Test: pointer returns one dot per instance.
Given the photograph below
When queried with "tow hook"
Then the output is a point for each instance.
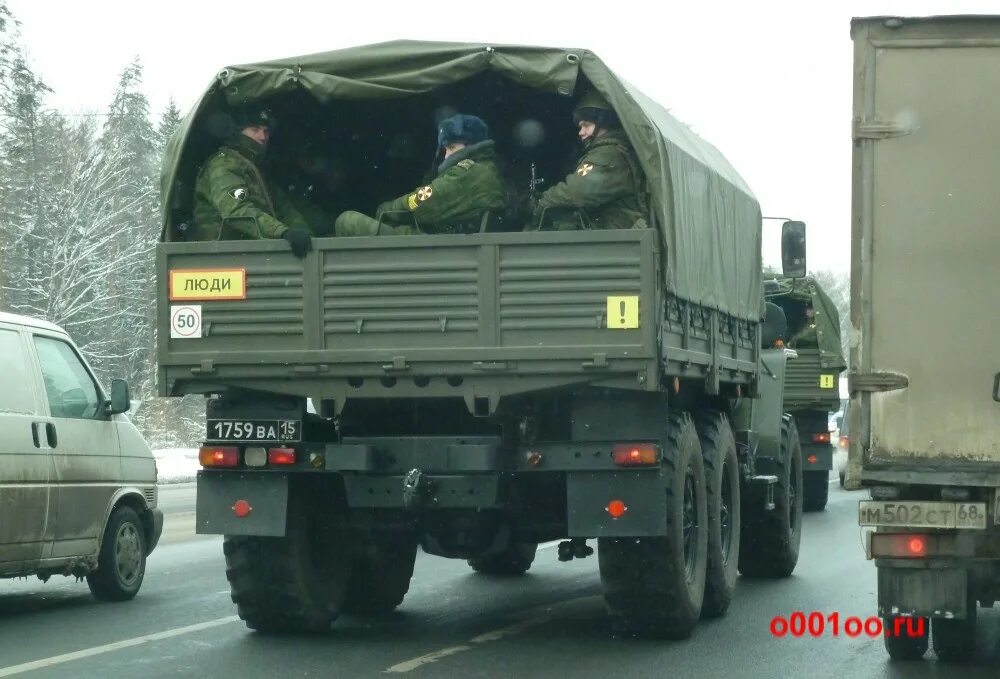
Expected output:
(576, 548)
(416, 488)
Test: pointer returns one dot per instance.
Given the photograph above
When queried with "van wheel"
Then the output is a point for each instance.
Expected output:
(722, 480)
(654, 586)
(295, 583)
(515, 560)
(121, 563)
(816, 487)
(769, 543)
(380, 578)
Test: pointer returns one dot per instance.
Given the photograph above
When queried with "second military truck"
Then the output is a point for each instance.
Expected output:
(479, 394)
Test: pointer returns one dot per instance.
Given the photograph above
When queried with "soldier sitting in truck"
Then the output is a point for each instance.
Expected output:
(605, 191)
(467, 185)
(232, 199)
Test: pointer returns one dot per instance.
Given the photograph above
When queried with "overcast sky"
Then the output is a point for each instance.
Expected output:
(768, 83)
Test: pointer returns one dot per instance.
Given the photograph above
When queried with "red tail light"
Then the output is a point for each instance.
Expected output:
(219, 456)
(845, 441)
(902, 546)
(821, 438)
(281, 455)
(636, 454)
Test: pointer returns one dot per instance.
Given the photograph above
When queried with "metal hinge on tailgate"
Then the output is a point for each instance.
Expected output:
(874, 382)
(878, 129)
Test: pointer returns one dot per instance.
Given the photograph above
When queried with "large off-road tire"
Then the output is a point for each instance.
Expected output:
(903, 646)
(722, 480)
(816, 490)
(954, 640)
(380, 576)
(121, 563)
(769, 543)
(515, 560)
(654, 586)
(295, 583)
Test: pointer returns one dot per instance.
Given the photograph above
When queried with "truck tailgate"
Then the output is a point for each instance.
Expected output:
(926, 243)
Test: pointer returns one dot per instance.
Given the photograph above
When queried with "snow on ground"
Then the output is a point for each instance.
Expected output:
(176, 465)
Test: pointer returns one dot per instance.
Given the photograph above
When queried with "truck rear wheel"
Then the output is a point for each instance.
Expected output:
(380, 577)
(899, 644)
(769, 543)
(816, 490)
(296, 583)
(654, 586)
(722, 481)
(955, 640)
(515, 560)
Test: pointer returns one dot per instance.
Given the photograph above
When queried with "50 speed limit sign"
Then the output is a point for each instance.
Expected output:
(185, 321)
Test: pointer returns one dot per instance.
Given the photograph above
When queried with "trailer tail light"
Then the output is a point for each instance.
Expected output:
(902, 546)
(219, 456)
(636, 454)
(616, 508)
(281, 455)
(823, 437)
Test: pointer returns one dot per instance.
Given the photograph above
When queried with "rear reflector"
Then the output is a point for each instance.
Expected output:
(616, 508)
(822, 437)
(902, 546)
(242, 509)
(636, 454)
(281, 455)
(216, 456)
(812, 459)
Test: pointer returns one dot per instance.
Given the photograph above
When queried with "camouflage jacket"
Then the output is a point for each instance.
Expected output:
(467, 184)
(606, 186)
(233, 201)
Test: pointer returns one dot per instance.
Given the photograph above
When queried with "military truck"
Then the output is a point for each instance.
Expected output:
(812, 379)
(925, 371)
(479, 394)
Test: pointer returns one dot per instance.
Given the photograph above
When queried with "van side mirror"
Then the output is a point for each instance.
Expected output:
(793, 249)
(121, 399)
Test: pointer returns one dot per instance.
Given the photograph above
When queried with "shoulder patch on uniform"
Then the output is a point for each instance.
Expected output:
(239, 193)
(424, 193)
(411, 201)
(585, 169)
(466, 164)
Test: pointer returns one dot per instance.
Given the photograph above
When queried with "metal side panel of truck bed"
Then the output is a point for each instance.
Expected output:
(925, 250)
(406, 317)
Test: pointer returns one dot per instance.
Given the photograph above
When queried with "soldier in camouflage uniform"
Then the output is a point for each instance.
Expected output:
(606, 189)
(233, 201)
(466, 185)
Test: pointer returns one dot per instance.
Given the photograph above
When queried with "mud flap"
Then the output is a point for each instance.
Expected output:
(817, 458)
(934, 593)
(223, 496)
(589, 494)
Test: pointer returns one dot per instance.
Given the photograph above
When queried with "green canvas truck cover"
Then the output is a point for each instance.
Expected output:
(709, 220)
(826, 318)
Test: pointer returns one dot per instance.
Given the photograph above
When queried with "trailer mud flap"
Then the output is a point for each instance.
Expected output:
(235, 503)
(817, 457)
(591, 513)
(930, 592)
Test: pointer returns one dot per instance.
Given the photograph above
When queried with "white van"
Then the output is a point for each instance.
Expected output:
(77, 480)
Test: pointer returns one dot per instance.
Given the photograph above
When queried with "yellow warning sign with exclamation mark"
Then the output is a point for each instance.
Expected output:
(623, 312)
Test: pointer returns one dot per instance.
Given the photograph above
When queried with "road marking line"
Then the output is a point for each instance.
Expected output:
(542, 614)
(410, 665)
(116, 646)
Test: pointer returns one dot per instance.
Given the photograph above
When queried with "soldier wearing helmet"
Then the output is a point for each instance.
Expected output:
(467, 183)
(605, 190)
(232, 198)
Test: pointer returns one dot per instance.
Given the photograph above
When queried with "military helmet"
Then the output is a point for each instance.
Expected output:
(594, 108)
(253, 115)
